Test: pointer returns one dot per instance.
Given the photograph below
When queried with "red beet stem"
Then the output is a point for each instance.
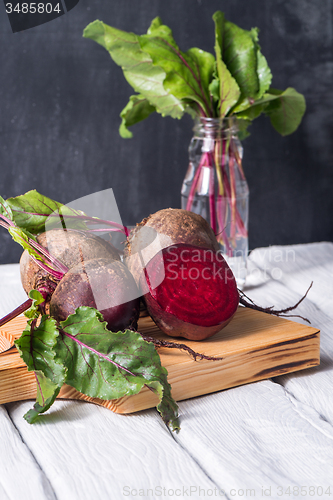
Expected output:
(85, 218)
(195, 182)
(219, 210)
(50, 260)
(212, 207)
(56, 274)
(50, 264)
(16, 312)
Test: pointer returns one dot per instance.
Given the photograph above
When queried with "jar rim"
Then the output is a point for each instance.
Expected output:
(208, 124)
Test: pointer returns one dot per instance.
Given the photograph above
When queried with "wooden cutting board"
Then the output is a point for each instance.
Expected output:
(254, 346)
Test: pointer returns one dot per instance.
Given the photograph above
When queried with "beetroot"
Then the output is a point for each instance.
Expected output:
(93, 276)
(162, 229)
(189, 291)
(69, 247)
(104, 284)
(198, 296)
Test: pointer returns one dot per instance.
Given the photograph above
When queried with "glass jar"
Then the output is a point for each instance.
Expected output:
(215, 187)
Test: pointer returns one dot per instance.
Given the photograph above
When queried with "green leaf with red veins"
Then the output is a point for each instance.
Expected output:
(204, 63)
(47, 392)
(285, 109)
(229, 91)
(22, 237)
(139, 70)
(173, 82)
(137, 109)
(37, 299)
(154, 25)
(32, 209)
(240, 56)
(110, 365)
(263, 70)
(5, 209)
(36, 348)
(265, 79)
(187, 73)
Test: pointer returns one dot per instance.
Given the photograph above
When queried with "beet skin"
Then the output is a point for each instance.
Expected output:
(166, 227)
(104, 284)
(70, 247)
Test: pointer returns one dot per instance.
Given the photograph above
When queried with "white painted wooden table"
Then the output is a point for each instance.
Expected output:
(270, 439)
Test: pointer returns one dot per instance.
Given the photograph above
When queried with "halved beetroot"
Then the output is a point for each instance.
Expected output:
(166, 227)
(190, 291)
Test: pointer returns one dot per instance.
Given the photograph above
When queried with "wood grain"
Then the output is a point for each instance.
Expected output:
(6, 341)
(254, 346)
(10, 332)
(270, 435)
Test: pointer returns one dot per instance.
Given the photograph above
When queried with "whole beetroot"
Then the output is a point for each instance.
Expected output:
(69, 247)
(104, 284)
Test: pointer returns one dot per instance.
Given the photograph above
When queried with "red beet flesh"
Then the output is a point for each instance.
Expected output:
(192, 292)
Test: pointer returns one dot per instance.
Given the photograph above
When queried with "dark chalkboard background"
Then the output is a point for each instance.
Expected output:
(61, 96)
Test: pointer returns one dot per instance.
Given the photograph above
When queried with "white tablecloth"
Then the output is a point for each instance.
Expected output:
(270, 439)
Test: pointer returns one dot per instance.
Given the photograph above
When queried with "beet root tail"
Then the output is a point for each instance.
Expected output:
(174, 345)
(247, 302)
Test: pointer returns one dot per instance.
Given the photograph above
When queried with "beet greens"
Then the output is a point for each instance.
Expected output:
(232, 85)
(84, 354)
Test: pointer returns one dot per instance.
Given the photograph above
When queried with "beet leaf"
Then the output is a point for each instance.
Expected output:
(240, 55)
(36, 300)
(234, 82)
(110, 365)
(264, 73)
(137, 109)
(82, 353)
(285, 109)
(36, 347)
(39, 254)
(47, 392)
(5, 209)
(228, 89)
(188, 74)
(32, 209)
(139, 70)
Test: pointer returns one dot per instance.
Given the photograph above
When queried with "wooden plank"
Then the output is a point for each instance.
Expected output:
(10, 333)
(87, 453)
(22, 477)
(261, 438)
(6, 341)
(254, 346)
(298, 266)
